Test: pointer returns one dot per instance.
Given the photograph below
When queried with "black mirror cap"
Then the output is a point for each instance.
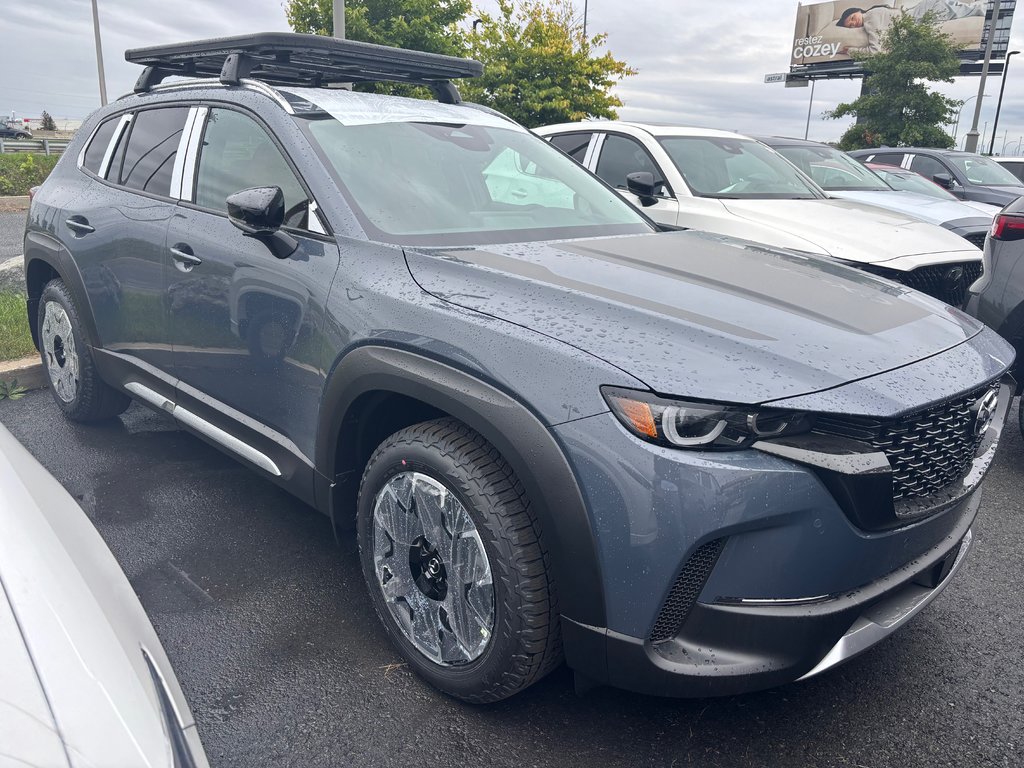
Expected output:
(643, 184)
(257, 210)
(943, 180)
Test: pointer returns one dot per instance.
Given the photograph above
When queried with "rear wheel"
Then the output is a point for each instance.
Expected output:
(452, 556)
(74, 381)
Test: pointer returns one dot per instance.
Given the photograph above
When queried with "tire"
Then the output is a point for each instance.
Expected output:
(74, 382)
(446, 466)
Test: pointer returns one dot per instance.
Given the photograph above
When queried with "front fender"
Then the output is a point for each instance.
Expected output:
(524, 441)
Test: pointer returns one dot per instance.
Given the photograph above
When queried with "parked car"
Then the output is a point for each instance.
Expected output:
(557, 428)
(1014, 165)
(84, 679)
(998, 298)
(733, 185)
(912, 181)
(965, 174)
(843, 177)
(10, 129)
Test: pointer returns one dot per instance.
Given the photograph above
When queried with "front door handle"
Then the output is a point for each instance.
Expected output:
(79, 225)
(184, 259)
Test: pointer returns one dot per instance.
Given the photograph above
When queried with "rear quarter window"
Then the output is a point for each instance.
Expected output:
(98, 145)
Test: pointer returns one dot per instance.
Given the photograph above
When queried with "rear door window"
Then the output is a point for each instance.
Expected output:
(148, 160)
(573, 144)
(888, 158)
(98, 146)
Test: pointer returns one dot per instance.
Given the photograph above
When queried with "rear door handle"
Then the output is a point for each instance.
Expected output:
(184, 259)
(79, 225)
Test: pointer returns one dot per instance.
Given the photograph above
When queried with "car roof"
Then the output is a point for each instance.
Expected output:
(654, 129)
(786, 141)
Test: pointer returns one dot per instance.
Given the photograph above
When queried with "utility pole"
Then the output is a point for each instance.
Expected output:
(99, 53)
(807, 128)
(999, 104)
(972, 135)
(339, 19)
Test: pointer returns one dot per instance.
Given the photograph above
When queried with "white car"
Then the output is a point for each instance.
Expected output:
(733, 185)
(83, 678)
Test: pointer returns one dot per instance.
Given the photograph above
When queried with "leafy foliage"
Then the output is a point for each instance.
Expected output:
(11, 390)
(899, 109)
(47, 122)
(539, 66)
(20, 170)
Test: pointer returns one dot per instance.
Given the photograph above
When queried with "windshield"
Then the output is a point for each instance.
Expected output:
(834, 171)
(912, 182)
(981, 170)
(441, 184)
(735, 169)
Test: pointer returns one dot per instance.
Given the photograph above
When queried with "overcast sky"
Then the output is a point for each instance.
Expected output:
(700, 62)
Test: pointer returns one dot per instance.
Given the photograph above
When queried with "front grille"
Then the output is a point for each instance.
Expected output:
(685, 591)
(977, 239)
(928, 450)
(946, 282)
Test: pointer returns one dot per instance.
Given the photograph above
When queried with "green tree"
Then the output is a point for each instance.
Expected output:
(899, 109)
(47, 123)
(539, 66)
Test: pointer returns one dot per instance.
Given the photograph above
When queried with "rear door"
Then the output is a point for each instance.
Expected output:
(617, 157)
(246, 326)
(117, 232)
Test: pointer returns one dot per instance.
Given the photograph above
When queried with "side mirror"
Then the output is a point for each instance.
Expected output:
(943, 180)
(259, 213)
(642, 185)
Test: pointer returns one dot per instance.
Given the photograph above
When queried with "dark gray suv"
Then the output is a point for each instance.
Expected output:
(998, 298)
(686, 464)
(965, 174)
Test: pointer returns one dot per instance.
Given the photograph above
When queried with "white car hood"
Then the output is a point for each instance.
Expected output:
(853, 231)
(931, 209)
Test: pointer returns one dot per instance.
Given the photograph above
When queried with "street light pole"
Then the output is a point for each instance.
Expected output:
(807, 128)
(339, 19)
(586, 3)
(972, 135)
(959, 112)
(999, 104)
(99, 54)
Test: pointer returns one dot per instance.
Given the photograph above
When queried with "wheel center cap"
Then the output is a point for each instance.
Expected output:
(428, 569)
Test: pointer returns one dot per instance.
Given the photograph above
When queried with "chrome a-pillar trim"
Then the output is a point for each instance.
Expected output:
(203, 427)
(885, 617)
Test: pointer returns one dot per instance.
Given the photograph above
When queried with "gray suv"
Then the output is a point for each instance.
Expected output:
(998, 298)
(965, 174)
(560, 432)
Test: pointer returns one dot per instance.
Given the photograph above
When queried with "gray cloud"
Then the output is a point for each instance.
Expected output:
(700, 63)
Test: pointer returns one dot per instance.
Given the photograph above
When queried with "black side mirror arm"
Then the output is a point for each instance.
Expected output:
(280, 243)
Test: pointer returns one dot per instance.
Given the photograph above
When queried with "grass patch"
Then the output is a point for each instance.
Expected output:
(15, 338)
(21, 170)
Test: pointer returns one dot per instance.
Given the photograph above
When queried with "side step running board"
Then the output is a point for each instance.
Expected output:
(203, 427)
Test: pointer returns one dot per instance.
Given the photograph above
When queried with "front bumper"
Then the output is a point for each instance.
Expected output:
(724, 650)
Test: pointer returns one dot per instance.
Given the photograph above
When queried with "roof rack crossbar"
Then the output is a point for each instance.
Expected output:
(282, 59)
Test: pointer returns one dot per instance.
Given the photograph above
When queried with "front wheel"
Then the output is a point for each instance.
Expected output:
(452, 556)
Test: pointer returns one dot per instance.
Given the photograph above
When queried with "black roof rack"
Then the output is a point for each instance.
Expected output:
(288, 58)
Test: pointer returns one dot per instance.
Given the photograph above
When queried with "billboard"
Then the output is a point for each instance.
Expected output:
(829, 32)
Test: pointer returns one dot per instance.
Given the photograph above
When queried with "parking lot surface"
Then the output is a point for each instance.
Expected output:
(274, 640)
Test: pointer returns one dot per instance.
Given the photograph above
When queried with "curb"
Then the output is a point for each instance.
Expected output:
(28, 371)
(14, 203)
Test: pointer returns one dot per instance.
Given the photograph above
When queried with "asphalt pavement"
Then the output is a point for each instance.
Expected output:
(12, 231)
(273, 638)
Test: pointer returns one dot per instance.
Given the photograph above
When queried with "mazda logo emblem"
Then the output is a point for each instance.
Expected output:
(985, 411)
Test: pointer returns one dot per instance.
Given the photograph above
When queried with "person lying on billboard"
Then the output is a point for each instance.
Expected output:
(876, 20)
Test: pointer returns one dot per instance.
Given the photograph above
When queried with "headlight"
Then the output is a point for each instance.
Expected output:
(705, 426)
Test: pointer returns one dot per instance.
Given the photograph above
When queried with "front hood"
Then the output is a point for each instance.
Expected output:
(852, 231)
(931, 209)
(700, 315)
